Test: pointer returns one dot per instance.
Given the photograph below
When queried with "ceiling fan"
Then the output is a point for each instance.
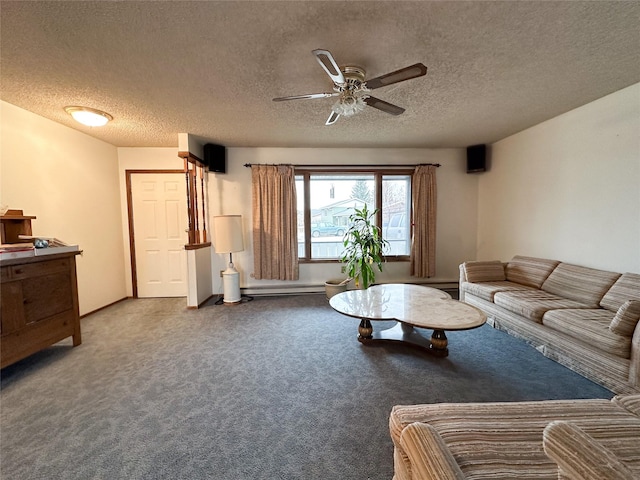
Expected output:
(352, 90)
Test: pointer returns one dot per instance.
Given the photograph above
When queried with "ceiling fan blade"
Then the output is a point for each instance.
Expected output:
(326, 61)
(333, 118)
(401, 75)
(384, 106)
(311, 95)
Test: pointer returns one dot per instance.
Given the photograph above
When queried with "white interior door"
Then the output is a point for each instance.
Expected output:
(159, 224)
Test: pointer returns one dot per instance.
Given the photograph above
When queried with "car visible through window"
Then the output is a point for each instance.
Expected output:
(324, 229)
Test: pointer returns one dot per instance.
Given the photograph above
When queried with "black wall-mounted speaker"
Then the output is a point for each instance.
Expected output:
(476, 158)
(215, 157)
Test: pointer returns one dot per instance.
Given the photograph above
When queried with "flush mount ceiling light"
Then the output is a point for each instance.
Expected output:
(89, 116)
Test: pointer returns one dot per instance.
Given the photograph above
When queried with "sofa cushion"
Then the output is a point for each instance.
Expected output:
(532, 304)
(529, 271)
(484, 271)
(486, 290)
(581, 457)
(626, 318)
(590, 326)
(582, 284)
(627, 287)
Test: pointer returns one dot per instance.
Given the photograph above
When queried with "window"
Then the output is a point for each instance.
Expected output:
(327, 199)
(396, 213)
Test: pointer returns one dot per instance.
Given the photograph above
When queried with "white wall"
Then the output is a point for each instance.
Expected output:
(568, 188)
(230, 193)
(69, 181)
(200, 276)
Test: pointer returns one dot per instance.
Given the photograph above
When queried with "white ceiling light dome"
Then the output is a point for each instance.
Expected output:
(89, 116)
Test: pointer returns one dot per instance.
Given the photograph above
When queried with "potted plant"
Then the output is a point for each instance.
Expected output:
(363, 248)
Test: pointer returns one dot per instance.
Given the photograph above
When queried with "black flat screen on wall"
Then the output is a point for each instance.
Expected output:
(476, 158)
(215, 157)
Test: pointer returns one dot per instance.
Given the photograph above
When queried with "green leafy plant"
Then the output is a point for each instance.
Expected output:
(364, 245)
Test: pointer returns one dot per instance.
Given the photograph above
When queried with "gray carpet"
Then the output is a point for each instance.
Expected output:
(277, 388)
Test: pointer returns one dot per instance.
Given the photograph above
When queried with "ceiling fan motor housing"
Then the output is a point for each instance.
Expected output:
(353, 73)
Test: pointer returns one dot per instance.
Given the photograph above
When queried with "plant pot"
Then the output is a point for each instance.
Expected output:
(335, 286)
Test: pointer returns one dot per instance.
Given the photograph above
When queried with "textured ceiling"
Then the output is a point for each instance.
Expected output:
(212, 68)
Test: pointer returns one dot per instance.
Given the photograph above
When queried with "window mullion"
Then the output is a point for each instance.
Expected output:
(307, 215)
(379, 199)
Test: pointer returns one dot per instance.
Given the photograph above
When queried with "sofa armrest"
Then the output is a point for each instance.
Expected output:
(429, 456)
(484, 271)
(630, 402)
(480, 271)
(579, 456)
(463, 278)
(463, 273)
(634, 365)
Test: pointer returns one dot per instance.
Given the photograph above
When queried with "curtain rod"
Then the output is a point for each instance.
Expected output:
(330, 166)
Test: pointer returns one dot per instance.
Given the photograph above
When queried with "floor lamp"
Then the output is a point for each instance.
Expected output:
(228, 239)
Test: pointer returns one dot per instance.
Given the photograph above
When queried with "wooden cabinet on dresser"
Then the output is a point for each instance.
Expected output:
(39, 304)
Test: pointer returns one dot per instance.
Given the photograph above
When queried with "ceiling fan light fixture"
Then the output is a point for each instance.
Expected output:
(348, 105)
(351, 101)
(88, 116)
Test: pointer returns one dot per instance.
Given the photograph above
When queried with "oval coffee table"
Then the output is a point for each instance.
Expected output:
(411, 306)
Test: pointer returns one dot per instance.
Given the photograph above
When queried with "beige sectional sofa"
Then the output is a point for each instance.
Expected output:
(583, 318)
(566, 439)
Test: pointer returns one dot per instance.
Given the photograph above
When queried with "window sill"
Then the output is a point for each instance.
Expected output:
(390, 258)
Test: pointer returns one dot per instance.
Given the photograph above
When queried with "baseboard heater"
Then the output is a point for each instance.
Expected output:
(270, 290)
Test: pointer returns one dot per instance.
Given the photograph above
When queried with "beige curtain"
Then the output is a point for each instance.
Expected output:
(275, 235)
(423, 246)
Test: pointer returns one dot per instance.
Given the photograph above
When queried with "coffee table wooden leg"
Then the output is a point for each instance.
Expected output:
(439, 343)
(365, 330)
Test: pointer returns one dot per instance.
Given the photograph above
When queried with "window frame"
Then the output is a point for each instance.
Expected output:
(378, 174)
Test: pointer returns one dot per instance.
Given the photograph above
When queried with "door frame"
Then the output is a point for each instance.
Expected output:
(132, 243)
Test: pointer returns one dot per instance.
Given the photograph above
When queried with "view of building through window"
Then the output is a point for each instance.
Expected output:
(333, 198)
(396, 213)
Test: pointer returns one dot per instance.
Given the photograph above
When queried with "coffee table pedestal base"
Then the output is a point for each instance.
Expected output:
(365, 329)
(404, 333)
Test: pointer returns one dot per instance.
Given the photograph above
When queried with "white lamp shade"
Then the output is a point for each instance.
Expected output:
(227, 231)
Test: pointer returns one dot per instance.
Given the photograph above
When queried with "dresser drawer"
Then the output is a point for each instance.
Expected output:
(43, 296)
(39, 268)
(5, 274)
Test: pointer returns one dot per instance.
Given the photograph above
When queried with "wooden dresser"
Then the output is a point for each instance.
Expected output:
(38, 294)
(39, 305)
